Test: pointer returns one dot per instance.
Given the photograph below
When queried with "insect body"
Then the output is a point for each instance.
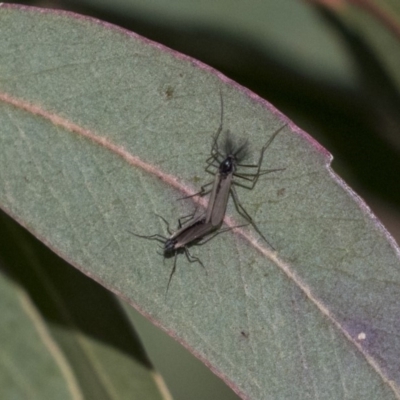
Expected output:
(187, 234)
(206, 225)
(194, 230)
(227, 164)
(220, 191)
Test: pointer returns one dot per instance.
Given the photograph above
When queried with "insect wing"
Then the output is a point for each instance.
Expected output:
(193, 232)
(213, 195)
(216, 210)
(187, 225)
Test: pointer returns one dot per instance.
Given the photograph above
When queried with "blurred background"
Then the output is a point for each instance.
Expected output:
(331, 66)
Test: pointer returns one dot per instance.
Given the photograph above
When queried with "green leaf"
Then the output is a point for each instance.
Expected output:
(101, 129)
(29, 367)
(62, 335)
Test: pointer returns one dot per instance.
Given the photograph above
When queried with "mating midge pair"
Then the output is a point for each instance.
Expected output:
(207, 225)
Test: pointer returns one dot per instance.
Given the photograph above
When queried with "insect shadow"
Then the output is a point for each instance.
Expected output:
(227, 167)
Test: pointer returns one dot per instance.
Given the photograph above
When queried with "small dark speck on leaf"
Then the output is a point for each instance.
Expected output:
(196, 179)
(245, 334)
(169, 92)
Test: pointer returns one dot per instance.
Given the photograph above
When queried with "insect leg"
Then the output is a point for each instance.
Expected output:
(166, 223)
(265, 147)
(219, 232)
(190, 258)
(214, 148)
(215, 155)
(172, 273)
(241, 210)
(253, 178)
(193, 259)
(187, 218)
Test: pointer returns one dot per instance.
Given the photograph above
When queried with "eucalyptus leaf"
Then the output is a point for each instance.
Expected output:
(101, 130)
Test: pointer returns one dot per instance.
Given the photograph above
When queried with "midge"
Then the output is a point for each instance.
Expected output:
(193, 231)
(206, 226)
(226, 165)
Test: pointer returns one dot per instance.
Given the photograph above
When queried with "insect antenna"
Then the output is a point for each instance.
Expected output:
(157, 236)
